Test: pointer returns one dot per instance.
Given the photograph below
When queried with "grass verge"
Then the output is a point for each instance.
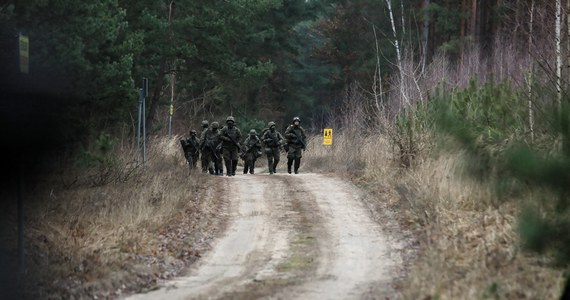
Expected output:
(102, 239)
(459, 232)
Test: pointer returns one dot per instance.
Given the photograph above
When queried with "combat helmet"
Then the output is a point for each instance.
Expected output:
(192, 132)
(205, 123)
(215, 125)
(230, 118)
(252, 132)
(270, 124)
(296, 119)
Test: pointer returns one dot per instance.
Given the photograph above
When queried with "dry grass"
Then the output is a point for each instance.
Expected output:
(467, 247)
(104, 240)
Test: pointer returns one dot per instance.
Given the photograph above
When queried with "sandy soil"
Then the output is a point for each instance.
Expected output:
(304, 236)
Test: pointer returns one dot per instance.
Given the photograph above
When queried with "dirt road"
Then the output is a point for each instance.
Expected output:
(304, 236)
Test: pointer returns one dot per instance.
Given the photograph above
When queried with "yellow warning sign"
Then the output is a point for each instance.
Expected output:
(24, 45)
(327, 136)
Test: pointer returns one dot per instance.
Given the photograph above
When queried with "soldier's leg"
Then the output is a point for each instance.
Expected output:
(234, 166)
(252, 167)
(270, 162)
(208, 162)
(234, 158)
(245, 165)
(290, 158)
(227, 162)
(204, 161)
(275, 159)
(298, 155)
(219, 165)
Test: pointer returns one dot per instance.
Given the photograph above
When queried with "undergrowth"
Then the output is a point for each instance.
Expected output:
(109, 224)
(465, 205)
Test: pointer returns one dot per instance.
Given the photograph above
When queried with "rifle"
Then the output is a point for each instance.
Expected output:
(194, 146)
(273, 139)
(233, 141)
(187, 143)
(209, 145)
(299, 138)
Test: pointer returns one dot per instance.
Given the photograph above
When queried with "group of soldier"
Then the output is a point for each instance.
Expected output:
(218, 146)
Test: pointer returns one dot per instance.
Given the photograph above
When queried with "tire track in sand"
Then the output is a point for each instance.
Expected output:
(251, 248)
(305, 236)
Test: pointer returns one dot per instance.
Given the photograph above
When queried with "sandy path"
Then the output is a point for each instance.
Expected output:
(359, 262)
(270, 217)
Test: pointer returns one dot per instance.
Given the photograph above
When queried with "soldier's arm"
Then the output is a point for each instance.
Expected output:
(288, 133)
(223, 136)
(265, 138)
(303, 133)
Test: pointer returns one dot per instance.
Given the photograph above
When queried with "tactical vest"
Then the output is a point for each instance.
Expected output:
(274, 138)
(234, 133)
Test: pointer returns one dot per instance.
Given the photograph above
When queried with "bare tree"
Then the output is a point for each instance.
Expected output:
(425, 35)
(377, 85)
(398, 52)
(558, 39)
(530, 75)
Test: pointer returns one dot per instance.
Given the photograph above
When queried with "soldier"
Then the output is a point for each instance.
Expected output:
(272, 140)
(295, 135)
(231, 136)
(191, 147)
(251, 152)
(205, 167)
(210, 143)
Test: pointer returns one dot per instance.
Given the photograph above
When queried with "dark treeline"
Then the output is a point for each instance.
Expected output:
(266, 59)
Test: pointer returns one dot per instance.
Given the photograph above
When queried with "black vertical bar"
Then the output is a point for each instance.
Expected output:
(21, 257)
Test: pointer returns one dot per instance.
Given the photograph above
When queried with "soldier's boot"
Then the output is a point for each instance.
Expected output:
(234, 167)
(252, 167)
(245, 166)
(228, 167)
(297, 164)
(289, 164)
(275, 166)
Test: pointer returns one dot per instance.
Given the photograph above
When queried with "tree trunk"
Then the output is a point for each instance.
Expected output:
(568, 40)
(425, 35)
(462, 33)
(558, 37)
(531, 73)
(398, 54)
(473, 26)
(156, 95)
(378, 92)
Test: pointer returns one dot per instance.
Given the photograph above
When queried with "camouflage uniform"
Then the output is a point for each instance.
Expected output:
(295, 135)
(231, 137)
(205, 166)
(272, 140)
(210, 143)
(191, 147)
(252, 151)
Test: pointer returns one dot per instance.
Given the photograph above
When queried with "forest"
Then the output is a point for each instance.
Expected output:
(468, 89)
(251, 59)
